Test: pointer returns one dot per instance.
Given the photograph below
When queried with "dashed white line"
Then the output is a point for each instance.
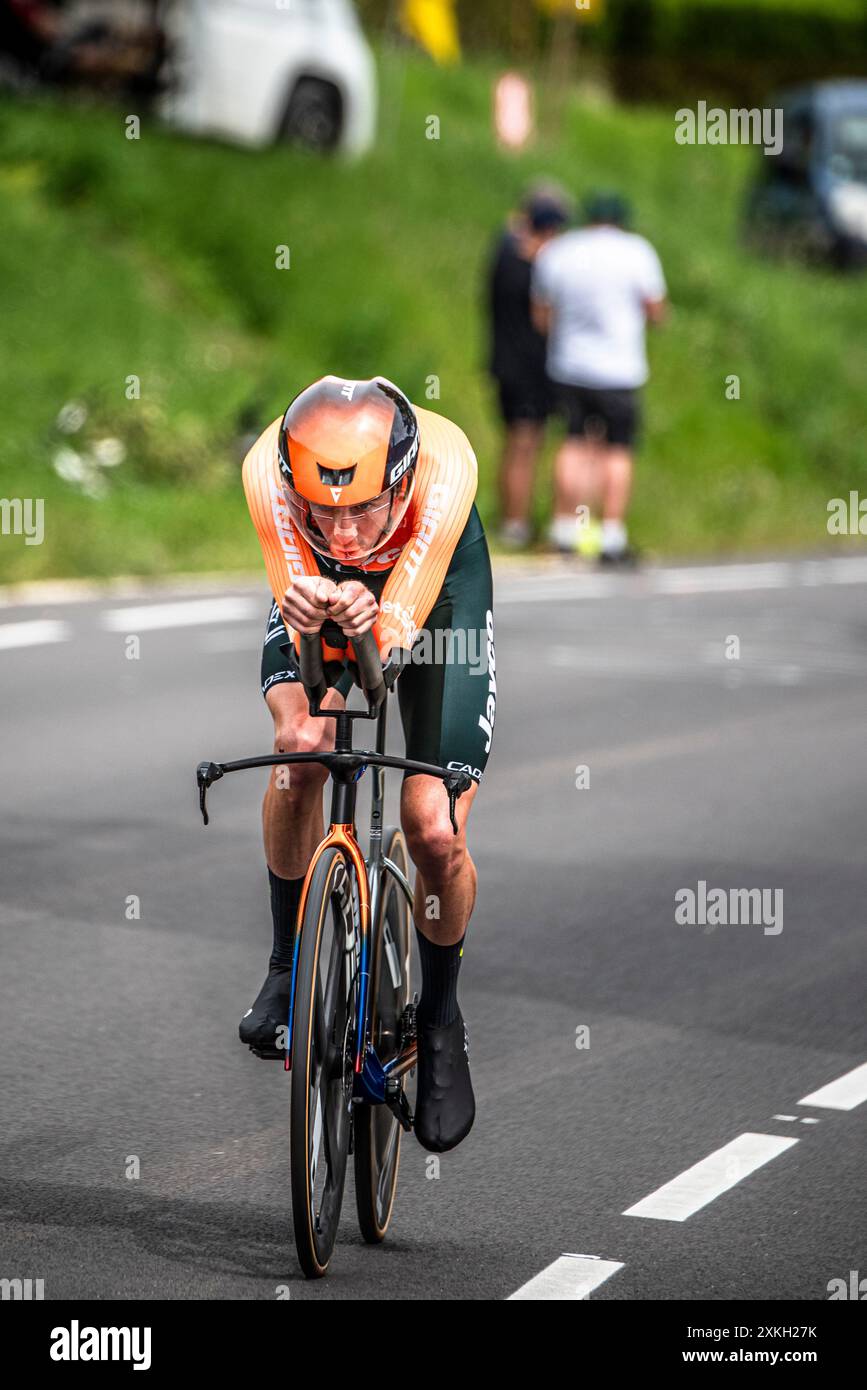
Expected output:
(843, 1094)
(33, 634)
(570, 1278)
(189, 613)
(700, 1184)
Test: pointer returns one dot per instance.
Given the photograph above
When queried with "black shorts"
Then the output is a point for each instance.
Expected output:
(528, 399)
(448, 693)
(593, 412)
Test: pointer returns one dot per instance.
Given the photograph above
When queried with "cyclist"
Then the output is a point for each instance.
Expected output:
(363, 504)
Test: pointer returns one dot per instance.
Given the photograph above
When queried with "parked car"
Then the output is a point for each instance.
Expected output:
(811, 198)
(256, 71)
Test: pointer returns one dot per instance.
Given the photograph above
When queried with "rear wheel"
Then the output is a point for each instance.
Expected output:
(323, 1048)
(377, 1130)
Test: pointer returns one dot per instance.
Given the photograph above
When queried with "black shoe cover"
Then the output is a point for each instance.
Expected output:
(264, 1025)
(445, 1106)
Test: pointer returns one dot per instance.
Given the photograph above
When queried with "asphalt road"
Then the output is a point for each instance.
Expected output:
(143, 1150)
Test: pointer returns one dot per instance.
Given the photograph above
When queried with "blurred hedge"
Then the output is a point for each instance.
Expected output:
(677, 49)
(684, 49)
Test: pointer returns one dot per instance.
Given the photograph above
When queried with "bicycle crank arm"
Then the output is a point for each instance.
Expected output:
(395, 1099)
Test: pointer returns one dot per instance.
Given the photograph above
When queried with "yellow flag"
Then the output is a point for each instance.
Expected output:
(434, 25)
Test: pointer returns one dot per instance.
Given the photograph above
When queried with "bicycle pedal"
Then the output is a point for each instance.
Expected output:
(395, 1099)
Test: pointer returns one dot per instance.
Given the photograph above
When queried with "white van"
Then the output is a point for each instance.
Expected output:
(256, 71)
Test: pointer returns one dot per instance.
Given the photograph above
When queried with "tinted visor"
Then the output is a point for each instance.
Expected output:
(350, 534)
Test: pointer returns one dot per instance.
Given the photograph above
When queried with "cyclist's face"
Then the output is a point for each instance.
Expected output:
(351, 534)
(351, 531)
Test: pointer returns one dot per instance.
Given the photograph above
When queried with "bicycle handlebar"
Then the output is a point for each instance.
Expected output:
(350, 763)
(369, 670)
(345, 762)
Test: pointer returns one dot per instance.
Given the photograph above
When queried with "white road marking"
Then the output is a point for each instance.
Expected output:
(706, 579)
(843, 1094)
(677, 661)
(33, 634)
(246, 639)
(189, 613)
(572, 1278)
(700, 1184)
(698, 579)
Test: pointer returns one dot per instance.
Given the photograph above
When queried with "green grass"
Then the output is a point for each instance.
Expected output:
(156, 258)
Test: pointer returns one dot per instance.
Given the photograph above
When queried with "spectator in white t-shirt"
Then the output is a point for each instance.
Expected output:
(594, 290)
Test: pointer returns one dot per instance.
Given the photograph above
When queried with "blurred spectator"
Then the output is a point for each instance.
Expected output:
(26, 29)
(593, 291)
(116, 44)
(518, 352)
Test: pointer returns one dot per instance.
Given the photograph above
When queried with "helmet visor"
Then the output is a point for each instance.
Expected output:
(350, 534)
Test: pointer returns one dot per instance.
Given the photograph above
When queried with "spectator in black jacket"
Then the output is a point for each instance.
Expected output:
(517, 360)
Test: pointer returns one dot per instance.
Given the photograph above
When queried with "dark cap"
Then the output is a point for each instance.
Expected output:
(546, 206)
(607, 207)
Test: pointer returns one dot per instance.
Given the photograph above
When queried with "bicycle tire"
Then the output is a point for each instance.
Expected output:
(377, 1131)
(322, 1049)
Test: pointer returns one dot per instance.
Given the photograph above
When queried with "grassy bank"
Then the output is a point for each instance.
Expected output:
(155, 259)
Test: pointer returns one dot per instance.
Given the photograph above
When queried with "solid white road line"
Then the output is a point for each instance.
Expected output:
(697, 579)
(572, 1277)
(713, 579)
(694, 1188)
(190, 613)
(33, 634)
(843, 1094)
(245, 639)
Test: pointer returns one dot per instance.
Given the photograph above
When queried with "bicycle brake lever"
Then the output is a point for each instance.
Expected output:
(456, 785)
(206, 773)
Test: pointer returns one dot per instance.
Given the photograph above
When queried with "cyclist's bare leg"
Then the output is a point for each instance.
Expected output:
(292, 820)
(446, 875)
(445, 891)
(292, 825)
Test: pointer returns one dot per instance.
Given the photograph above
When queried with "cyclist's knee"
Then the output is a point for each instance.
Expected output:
(307, 736)
(437, 852)
(294, 729)
(304, 735)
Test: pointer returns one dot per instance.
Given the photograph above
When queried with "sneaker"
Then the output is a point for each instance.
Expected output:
(261, 1026)
(562, 535)
(619, 559)
(589, 540)
(445, 1105)
(514, 535)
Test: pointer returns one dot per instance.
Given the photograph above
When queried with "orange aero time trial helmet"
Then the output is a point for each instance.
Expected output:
(347, 452)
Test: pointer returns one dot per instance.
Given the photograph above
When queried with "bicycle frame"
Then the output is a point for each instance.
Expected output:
(346, 766)
(368, 879)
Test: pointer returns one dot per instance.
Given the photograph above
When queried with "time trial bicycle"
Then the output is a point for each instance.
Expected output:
(350, 1036)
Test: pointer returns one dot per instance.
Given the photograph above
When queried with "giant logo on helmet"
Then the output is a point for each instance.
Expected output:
(403, 465)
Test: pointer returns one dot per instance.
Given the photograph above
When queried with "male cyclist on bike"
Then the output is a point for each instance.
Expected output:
(364, 509)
